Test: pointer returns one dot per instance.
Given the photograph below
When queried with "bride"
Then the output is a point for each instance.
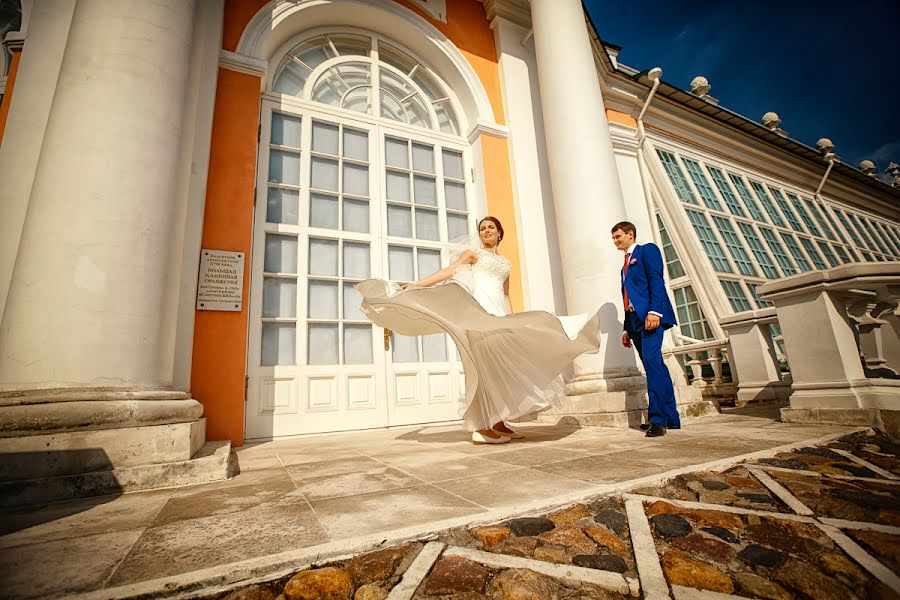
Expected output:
(513, 363)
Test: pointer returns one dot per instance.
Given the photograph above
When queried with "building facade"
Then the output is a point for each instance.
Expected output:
(317, 143)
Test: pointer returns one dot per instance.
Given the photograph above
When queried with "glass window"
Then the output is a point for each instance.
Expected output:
(733, 243)
(735, 294)
(786, 209)
(801, 210)
(670, 164)
(702, 185)
(777, 251)
(708, 241)
(828, 253)
(875, 234)
(760, 303)
(889, 243)
(814, 209)
(762, 257)
(795, 251)
(731, 200)
(691, 319)
(744, 191)
(845, 258)
(863, 232)
(846, 225)
(673, 263)
(767, 203)
(813, 253)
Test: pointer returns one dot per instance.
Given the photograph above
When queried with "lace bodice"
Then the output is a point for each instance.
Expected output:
(488, 275)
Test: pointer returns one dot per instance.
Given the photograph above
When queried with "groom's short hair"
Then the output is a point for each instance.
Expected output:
(625, 227)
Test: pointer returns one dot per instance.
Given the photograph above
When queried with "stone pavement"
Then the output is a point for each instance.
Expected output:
(325, 498)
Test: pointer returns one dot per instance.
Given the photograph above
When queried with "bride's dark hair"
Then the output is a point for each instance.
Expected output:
(496, 222)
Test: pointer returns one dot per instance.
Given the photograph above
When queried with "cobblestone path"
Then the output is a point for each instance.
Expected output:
(819, 523)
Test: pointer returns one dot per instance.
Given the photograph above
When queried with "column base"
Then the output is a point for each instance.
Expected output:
(762, 392)
(887, 421)
(64, 443)
(618, 402)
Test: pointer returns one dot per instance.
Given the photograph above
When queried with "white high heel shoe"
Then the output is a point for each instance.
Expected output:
(480, 438)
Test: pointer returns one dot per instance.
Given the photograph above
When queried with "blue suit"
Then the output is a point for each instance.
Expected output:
(647, 292)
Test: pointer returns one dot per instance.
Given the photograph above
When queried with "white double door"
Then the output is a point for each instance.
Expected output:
(338, 200)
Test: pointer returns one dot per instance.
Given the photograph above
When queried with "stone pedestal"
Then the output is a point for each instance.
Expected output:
(752, 358)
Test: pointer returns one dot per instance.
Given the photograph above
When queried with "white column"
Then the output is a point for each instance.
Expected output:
(586, 193)
(87, 305)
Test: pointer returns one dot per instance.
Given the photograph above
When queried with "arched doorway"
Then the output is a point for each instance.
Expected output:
(362, 172)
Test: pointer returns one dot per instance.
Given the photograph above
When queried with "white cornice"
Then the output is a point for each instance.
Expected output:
(487, 128)
(516, 11)
(243, 63)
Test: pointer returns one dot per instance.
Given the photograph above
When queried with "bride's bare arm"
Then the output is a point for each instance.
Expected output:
(466, 258)
(506, 296)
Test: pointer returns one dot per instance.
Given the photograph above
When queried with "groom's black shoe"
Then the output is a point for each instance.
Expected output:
(655, 430)
(646, 426)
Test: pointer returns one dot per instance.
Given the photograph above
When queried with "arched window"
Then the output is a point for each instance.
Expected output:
(367, 75)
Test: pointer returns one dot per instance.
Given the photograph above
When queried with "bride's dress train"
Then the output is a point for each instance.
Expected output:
(513, 363)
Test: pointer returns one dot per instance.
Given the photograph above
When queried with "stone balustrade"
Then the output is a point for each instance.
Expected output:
(841, 330)
(758, 361)
(692, 355)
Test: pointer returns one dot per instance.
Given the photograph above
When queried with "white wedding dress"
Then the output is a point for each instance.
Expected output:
(513, 363)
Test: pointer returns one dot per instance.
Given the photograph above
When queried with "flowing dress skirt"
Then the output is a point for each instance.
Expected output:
(513, 364)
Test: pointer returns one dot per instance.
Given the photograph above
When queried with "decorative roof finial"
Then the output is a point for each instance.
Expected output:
(700, 86)
(824, 145)
(771, 120)
(868, 167)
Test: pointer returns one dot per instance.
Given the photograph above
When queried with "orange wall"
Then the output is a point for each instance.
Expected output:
(614, 116)
(498, 185)
(220, 338)
(7, 96)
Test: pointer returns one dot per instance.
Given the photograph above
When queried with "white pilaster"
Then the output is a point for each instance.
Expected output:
(587, 195)
(87, 300)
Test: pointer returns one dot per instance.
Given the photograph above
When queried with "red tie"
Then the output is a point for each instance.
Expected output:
(624, 273)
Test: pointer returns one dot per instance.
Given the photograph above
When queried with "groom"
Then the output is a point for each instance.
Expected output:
(648, 313)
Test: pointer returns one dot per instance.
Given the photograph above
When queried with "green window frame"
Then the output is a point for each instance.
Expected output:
(701, 183)
(760, 303)
(735, 294)
(731, 200)
(842, 252)
(673, 263)
(786, 210)
(795, 251)
(733, 243)
(778, 252)
(801, 210)
(766, 201)
(828, 253)
(817, 211)
(814, 255)
(691, 319)
(676, 176)
(709, 242)
(759, 251)
(745, 194)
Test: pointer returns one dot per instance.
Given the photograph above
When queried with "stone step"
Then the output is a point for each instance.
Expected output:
(210, 463)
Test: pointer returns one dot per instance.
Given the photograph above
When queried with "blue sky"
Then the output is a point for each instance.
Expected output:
(829, 69)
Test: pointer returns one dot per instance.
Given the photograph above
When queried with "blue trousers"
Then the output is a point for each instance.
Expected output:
(661, 409)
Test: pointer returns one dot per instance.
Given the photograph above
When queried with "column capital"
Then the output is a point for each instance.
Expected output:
(516, 11)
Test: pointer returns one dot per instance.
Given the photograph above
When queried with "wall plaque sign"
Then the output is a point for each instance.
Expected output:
(221, 282)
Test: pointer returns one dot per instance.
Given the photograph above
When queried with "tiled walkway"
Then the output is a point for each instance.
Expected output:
(324, 495)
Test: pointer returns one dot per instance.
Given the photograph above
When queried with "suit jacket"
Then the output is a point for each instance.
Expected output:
(646, 286)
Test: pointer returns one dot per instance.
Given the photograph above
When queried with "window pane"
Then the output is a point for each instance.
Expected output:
(356, 215)
(455, 195)
(778, 252)
(404, 348)
(399, 221)
(735, 294)
(396, 153)
(744, 191)
(279, 341)
(279, 297)
(352, 303)
(323, 257)
(324, 174)
(291, 79)
(400, 263)
(786, 209)
(763, 196)
(282, 206)
(357, 264)
(434, 347)
(322, 346)
(323, 211)
(357, 344)
(733, 243)
(708, 241)
(281, 254)
(359, 99)
(427, 225)
(423, 158)
(813, 254)
(762, 257)
(829, 255)
(425, 190)
(673, 263)
(325, 138)
(457, 227)
(702, 185)
(356, 179)
(323, 300)
(284, 167)
(676, 176)
(285, 130)
(801, 210)
(397, 186)
(429, 262)
(453, 164)
(730, 199)
(356, 144)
